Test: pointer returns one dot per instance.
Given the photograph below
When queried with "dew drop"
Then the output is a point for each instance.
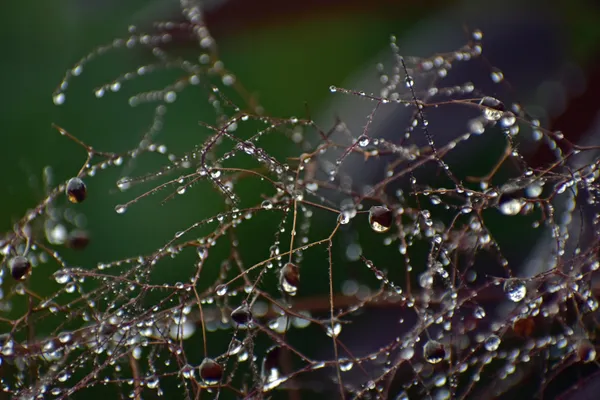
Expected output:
(242, 315)
(497, 76)
(434, 352)
(61, 277)
(491, 114)
(511, 207)
(120, 209)
(124, 183)
(586, 352)
(211, 371)
(267, 205)
(170, 97)
(335, 330)
(290, 278)
(76, 190)
(515, 290)
(59, 98)
(479, 312)
(221, 290)
(492, 343)
(380, 218)
(345, 364)
(20, 267)
(363, 141)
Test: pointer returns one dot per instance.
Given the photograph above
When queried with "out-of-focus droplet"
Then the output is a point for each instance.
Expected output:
(20, 267)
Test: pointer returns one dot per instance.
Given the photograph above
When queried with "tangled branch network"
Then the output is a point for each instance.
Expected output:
(402, 287)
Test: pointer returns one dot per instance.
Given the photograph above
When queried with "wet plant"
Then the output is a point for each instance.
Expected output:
(402, 285)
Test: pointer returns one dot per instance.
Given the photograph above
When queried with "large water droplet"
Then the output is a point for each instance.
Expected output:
(221, 290)
(434, 352)
(511, 207)
(290, 278)
(380, 218)
(492, 343)
(76, 190)
(211, 371)
(515, 290)
(19, 267)
(242, 315)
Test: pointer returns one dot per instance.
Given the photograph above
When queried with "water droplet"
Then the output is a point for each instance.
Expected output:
(534, 190)
(380, 218)
(511, 207)
(170, 97)
(345, 364)
(363, 140)
(76, 190)
(211, 371)
(61, 277)
(586, 352)
(19, 267)
(266, 204)
(124, 183)
(335, 330)
(491, 114)
(187, 371)
(242, 315)
(290, 278)
(492, 343)
(515, 290)
(120, 209)
(343, 218)
(508, 120)
(496, 75)
(65, 337)
(434, 352)
(59, 98)
(221, 290)
(479, 312)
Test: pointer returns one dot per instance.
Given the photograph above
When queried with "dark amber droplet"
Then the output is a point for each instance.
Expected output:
(290, 278)
(524, 326)
(19, 267)
(78, 239)
(241, 315)
(211, 371)
(380, 218)
(76, 190)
